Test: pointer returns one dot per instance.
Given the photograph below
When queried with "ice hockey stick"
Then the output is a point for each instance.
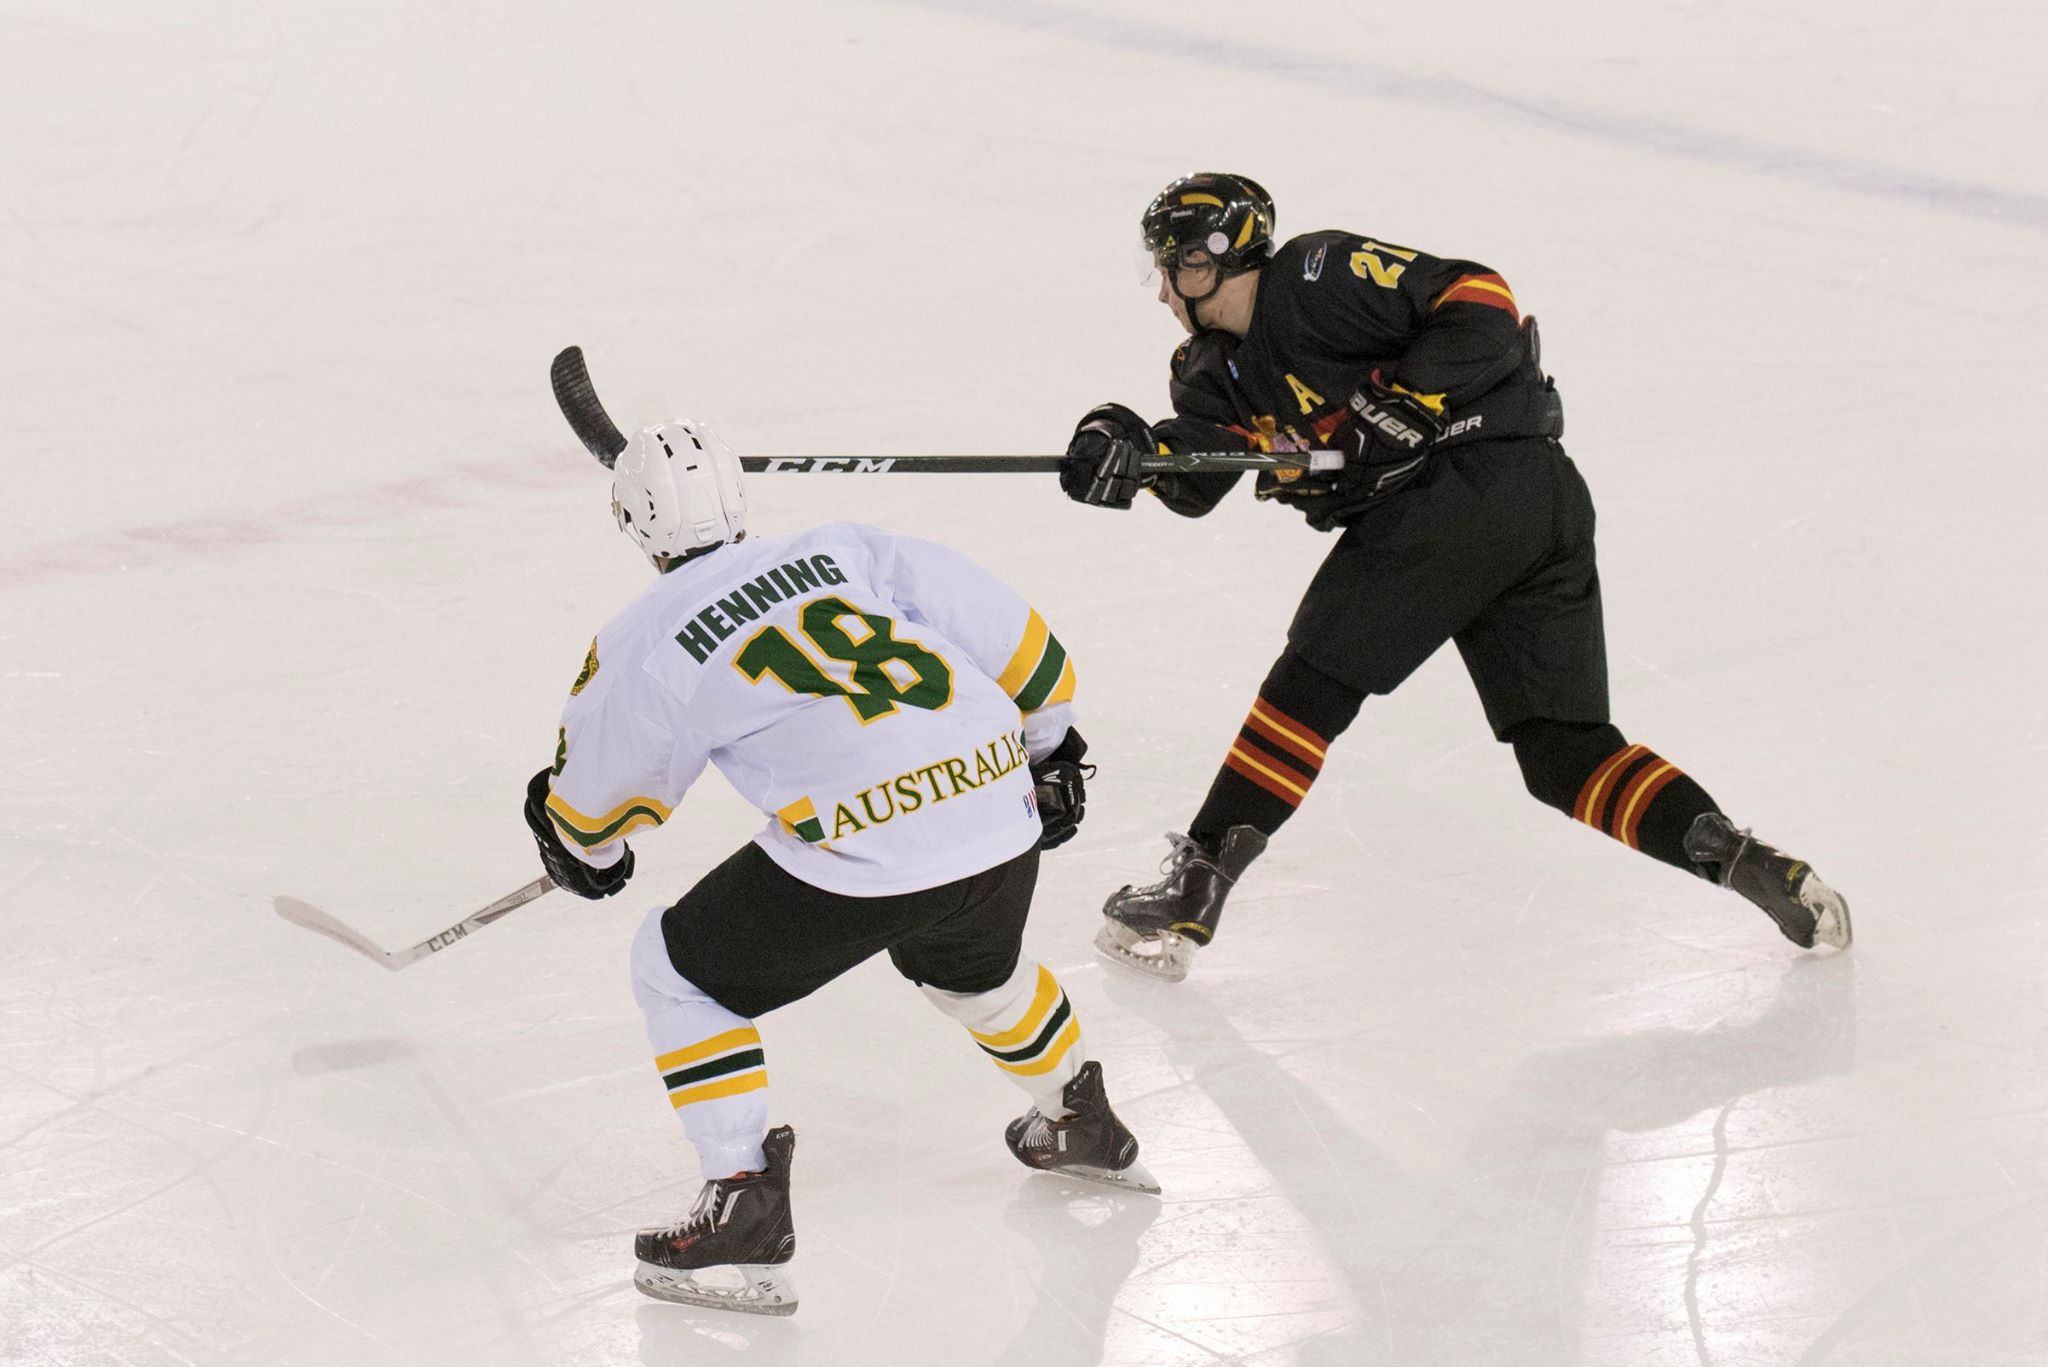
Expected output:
(320, 923)
(578, 400)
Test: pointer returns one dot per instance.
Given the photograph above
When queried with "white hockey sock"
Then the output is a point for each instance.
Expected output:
(1028, 1027)
(710, 1060)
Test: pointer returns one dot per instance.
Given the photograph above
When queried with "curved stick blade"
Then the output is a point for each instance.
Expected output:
(577, 399)
(320, 923)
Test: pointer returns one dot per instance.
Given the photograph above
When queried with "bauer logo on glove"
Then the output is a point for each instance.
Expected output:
(1388, 423)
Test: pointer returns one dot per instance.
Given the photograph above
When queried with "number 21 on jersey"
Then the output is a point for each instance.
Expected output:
(1366, 263)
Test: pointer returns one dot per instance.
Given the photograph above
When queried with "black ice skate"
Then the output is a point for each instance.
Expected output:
(1091, 1143)
(741, 1224)
(1806, 909)
(1157, 929)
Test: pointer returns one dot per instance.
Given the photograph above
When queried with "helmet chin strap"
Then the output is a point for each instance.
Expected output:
(1191, 303)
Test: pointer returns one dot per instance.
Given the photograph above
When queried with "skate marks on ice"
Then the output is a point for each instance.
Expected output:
(1637, 130)
(1978, 1274)
(350, 1055)
(1085, 1242)
(1271, 1185)
(1089, 1242)
(678, 1336)
(1613, 1157)
(1502, 1249)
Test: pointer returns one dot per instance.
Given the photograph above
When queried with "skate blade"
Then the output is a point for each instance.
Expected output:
(1137, 1177)
(763, 1290)
(1160, 954)
(1830, 910)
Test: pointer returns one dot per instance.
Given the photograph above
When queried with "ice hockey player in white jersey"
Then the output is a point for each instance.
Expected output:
(904, 721)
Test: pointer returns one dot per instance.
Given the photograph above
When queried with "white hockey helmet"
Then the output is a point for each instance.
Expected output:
(677, 490)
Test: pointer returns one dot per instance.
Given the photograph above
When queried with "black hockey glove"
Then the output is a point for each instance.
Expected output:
(1061, 791)
(1101, 465)
(1386, 439)
(569, 872)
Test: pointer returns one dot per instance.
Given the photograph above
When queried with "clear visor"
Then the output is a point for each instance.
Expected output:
(1192, 263)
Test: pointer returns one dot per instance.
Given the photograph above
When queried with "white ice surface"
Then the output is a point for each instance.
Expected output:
(297, 560)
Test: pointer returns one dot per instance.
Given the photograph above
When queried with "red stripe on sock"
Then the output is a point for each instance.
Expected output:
(1289, 763)
(1301, 742)
(1642, 793)
(1591, 796)
(1263, 775)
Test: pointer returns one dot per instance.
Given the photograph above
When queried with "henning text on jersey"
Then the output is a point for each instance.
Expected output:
(877, 697)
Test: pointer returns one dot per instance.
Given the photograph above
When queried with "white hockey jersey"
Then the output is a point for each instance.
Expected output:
(878, 697)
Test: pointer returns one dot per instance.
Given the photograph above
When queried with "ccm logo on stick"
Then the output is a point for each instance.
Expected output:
(851, 465)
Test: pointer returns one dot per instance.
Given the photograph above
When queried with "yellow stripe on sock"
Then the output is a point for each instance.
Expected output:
(726, 1086)
(717, 1044)
(1050, 1059)
(1041, 1006)
(1596, 787)
(1272, 773)
(1295, 732)
(1634, 797)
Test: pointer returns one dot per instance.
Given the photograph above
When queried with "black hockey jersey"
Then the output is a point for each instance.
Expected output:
(1335, 310)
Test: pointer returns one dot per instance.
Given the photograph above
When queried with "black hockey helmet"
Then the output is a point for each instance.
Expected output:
(1207, 218)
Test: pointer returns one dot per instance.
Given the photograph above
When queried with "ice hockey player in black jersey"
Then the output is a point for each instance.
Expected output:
(1459, 518)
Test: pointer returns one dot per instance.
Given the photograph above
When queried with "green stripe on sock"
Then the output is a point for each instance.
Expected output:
(1045, 1037)
(718, 1067)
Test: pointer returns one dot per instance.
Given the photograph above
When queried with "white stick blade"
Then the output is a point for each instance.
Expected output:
(320, 923)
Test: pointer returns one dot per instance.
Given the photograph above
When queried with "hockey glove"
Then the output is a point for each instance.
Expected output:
(1386, 438)
(1061, 790)
(1101, 464)
(569, 872)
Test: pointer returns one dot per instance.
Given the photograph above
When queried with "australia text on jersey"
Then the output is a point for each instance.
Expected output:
(910, 791)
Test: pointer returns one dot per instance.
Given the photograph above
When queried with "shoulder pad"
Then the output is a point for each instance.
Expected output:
(1305, 259)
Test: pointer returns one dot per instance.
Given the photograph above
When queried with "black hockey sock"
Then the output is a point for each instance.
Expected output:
(1278, 751)
(1593, 775)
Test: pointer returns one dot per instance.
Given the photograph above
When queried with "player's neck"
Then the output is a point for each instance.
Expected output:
(1230, 307)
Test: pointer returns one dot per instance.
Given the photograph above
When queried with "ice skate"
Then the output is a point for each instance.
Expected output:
(740, 1226)
(1156, 930)
(1806, 909)
(1091, 1143)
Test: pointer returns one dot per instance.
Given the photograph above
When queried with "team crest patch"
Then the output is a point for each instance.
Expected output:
(589, 669)
(1312, 269)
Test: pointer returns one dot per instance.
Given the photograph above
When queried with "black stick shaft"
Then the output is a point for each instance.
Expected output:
(578, 400)
(1182, 462)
